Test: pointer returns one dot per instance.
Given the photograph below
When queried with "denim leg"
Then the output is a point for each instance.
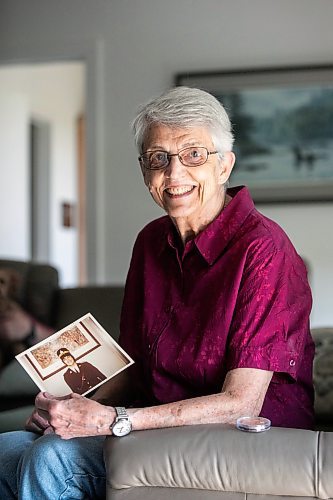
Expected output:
(12, 446)
(57, 469)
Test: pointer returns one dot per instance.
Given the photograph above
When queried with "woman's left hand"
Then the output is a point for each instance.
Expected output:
(74, 415)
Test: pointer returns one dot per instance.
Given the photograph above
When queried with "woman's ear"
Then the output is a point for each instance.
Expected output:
(227, 164)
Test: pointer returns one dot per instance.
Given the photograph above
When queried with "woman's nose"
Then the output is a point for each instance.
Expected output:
(175, 167)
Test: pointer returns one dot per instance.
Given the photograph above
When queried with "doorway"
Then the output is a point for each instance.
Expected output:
(53, 97)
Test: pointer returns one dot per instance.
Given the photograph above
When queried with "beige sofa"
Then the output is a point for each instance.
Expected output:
(214, 462)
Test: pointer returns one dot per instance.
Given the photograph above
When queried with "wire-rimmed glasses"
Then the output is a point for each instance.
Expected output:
(193, 156)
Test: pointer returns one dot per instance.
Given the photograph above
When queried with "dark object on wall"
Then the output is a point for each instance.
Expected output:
(68, 214)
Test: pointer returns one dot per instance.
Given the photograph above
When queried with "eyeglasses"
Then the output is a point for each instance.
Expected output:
(189, 157)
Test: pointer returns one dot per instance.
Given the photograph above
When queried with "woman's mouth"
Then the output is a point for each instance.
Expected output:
(178, 191)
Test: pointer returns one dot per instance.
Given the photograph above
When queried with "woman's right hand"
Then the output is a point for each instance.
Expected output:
(37, 423)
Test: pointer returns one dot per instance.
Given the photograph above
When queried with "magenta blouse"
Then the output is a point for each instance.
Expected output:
(236, 296)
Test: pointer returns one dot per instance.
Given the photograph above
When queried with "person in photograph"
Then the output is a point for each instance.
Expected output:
(80, 377)
(215, 313)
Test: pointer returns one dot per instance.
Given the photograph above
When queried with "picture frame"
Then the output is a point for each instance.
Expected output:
(283, 124)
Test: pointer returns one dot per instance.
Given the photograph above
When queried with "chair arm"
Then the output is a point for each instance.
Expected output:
(103, 302)
(280, 461)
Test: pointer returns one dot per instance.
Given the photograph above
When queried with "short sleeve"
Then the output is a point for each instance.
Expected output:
(270, 325)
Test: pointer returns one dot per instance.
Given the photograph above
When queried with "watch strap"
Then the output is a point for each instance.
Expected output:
(121, 413)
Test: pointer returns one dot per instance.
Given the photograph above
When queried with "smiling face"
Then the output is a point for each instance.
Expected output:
(68, 360)
(191, 196)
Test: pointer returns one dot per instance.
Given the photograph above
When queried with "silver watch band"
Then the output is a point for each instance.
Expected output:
(121, 412)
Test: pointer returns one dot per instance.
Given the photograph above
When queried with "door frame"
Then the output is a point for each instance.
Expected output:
(39, 190)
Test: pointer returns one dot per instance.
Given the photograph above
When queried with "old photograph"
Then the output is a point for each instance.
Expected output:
(78, 358)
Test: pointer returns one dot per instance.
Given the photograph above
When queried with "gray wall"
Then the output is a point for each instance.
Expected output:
(143, 44)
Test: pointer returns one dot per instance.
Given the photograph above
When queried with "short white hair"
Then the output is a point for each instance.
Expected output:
(185, 107)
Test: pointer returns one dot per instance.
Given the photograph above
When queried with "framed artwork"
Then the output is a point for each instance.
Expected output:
(283, 124)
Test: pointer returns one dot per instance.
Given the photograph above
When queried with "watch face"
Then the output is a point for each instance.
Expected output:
(122, 427)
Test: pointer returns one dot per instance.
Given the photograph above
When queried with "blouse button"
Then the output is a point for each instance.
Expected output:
(292, 362)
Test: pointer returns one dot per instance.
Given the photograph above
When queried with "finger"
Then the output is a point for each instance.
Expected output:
(42, 417)
(31, 425)
(33, 428)
(41, 401)
(42, 413)
(44, 399)
(47, 395)
(49, 430)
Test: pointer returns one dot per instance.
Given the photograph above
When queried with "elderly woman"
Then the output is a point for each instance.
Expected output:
(215, 314)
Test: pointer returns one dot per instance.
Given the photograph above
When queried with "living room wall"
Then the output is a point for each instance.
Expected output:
(145, 42)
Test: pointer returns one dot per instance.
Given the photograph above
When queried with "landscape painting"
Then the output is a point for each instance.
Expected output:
(283, 125)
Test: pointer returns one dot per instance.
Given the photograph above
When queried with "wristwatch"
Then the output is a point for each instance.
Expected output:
(122, 425)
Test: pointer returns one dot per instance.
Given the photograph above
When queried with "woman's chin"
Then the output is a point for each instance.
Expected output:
(178, 211)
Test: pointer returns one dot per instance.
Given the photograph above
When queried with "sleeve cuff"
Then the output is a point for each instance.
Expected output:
(265, 358)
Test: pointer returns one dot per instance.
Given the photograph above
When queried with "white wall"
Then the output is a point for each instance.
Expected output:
(309, 226)
(14, 199)
(53, 93)
(145, 43)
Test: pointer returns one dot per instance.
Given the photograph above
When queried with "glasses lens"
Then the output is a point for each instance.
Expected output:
(193, 157)
(155, 160)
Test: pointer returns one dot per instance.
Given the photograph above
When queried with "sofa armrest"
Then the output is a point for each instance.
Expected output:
(103, 302)
(290, 462)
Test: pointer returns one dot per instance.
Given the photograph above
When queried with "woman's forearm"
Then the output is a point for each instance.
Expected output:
(243, 393)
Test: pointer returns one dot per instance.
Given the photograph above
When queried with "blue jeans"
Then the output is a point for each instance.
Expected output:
(50, 468)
